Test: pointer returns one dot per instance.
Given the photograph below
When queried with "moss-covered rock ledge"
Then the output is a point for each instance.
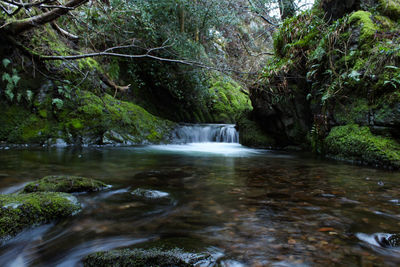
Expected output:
(20, 211)
(332, 86)
(64, 183)
(355, 143)
(137, 258)
(85, 119)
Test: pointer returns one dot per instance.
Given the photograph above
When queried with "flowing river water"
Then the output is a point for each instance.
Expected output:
(235, 205)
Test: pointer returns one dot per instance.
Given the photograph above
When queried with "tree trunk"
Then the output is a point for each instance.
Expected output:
(181, 18)
(20, 26)
(197, 31)
(286, 8)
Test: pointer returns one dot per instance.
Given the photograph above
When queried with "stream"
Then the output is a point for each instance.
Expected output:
(209, 195)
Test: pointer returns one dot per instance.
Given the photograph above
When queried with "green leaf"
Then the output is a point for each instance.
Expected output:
(15, 79)
(6, 77)
(58, 103)
(29, 95)
(10, 86)
(354, 75)
(6, 61)
(392, 67)
(326, 96)
(9, 94)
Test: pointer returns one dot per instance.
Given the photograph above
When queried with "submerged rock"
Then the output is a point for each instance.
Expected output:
(136, 257)
(149, 194)
(64, 183)
(19, 211)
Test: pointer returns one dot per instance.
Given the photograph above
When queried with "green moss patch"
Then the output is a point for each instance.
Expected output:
(19, 125)
(64, 183)
(390, 8)
(227, 100)
(19, 211)
(355, 143)
(137, 258)
(94, 116)
(368, 27)
(86, 118)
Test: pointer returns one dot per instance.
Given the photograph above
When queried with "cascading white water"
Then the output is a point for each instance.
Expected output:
(203, 133)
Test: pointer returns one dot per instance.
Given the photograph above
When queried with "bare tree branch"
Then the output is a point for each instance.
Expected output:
(262, 16)
(19, 26)
(57, 6)
(27, 5)
(10, 14)
(146, 55)
(64, 32)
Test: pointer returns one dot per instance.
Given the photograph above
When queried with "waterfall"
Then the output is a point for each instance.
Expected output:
(201, 133)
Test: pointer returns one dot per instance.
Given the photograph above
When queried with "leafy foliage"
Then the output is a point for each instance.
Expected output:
(12, 78)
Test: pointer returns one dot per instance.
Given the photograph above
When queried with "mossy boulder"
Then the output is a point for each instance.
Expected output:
(19, 125)
(104, 118)
(354, 143)
(85, 118)
(226, 99)
(19, 211)
(64, 183)
(137, 258)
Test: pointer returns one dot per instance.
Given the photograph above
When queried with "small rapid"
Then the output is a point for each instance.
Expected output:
(205, 133)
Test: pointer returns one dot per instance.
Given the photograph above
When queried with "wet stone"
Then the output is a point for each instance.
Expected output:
(391, 241)
(149, 194)
(64, 183)
(19, 211)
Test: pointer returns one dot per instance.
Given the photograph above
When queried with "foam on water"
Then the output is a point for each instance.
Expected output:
(204, 149)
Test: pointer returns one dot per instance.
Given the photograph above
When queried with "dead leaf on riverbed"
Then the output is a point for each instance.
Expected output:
(325, 229)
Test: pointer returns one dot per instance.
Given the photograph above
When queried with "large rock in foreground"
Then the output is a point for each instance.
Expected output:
(19, 211)
(64, 183)
(137, 258)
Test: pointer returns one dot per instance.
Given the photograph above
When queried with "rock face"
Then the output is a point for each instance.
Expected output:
(19, 211)
(252, 134)
(341, 74)
(137, 258)
(86, 119)
(64, 183)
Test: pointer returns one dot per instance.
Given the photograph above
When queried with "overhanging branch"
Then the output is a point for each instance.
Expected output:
(16, 27)
(145, 55)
